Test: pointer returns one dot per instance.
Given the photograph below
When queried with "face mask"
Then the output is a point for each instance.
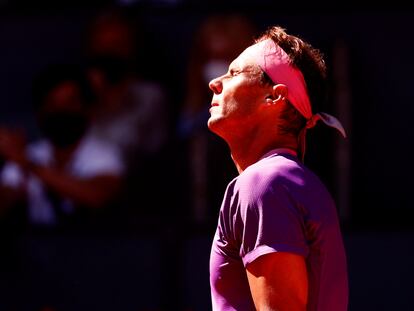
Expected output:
(214, 68)
(63, 129)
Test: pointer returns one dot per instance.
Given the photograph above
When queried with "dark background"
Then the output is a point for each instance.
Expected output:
(165, 266)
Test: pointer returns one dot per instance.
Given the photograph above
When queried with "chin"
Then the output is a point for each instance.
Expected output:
(216, 126)
(213, 124)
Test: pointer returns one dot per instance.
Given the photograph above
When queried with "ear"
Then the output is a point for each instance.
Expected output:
(279, 93)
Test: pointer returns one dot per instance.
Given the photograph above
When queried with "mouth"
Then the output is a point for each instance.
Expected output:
(213, 105)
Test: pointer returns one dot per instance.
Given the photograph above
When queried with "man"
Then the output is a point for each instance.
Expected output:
(65, 177)
(278, 244)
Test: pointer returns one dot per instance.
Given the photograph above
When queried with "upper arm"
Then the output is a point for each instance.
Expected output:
(272, 241)
(270, 220)
(278, 281)
(92, 192)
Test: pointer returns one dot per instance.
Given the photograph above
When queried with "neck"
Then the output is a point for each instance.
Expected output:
(249, 150)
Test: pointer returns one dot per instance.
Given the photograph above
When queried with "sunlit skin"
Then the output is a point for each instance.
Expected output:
(236, 101)
(278, 281)
(244, 112)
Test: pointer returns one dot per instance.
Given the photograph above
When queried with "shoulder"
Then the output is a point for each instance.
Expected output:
(270, 175)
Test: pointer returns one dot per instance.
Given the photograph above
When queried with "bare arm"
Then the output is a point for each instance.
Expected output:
(93, 192)
(278, 281)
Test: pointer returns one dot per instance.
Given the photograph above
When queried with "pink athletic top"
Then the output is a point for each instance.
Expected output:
(277, 204)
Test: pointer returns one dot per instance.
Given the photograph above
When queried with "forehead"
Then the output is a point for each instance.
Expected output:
(244, 61)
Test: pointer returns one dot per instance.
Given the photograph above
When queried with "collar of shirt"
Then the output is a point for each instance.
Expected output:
(276, 151)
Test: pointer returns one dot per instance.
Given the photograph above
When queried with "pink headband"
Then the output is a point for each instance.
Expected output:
(275, 62)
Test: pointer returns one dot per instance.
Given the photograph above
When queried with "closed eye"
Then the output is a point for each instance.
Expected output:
(234, 72)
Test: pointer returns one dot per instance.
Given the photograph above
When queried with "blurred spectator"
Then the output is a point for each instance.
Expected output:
(65, 177)
(219, 40)
(132, 112)
(113, 33)
(128, 104)
(121, 32)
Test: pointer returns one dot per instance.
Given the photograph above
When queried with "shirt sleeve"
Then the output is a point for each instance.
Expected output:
(96, 157)
(270, 222)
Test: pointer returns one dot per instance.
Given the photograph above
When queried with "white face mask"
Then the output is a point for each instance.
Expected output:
(214, 68)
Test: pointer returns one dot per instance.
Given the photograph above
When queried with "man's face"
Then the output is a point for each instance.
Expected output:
(63, 117)
(65, 97)
(238, 98)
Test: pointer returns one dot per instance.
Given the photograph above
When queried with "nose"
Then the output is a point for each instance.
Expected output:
(216, 86)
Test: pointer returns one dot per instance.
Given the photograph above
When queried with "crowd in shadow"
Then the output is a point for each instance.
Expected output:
(110, 201)
(118, 154)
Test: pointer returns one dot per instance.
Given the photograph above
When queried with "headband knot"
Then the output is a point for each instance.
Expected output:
(326, 118)
(329, 120)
